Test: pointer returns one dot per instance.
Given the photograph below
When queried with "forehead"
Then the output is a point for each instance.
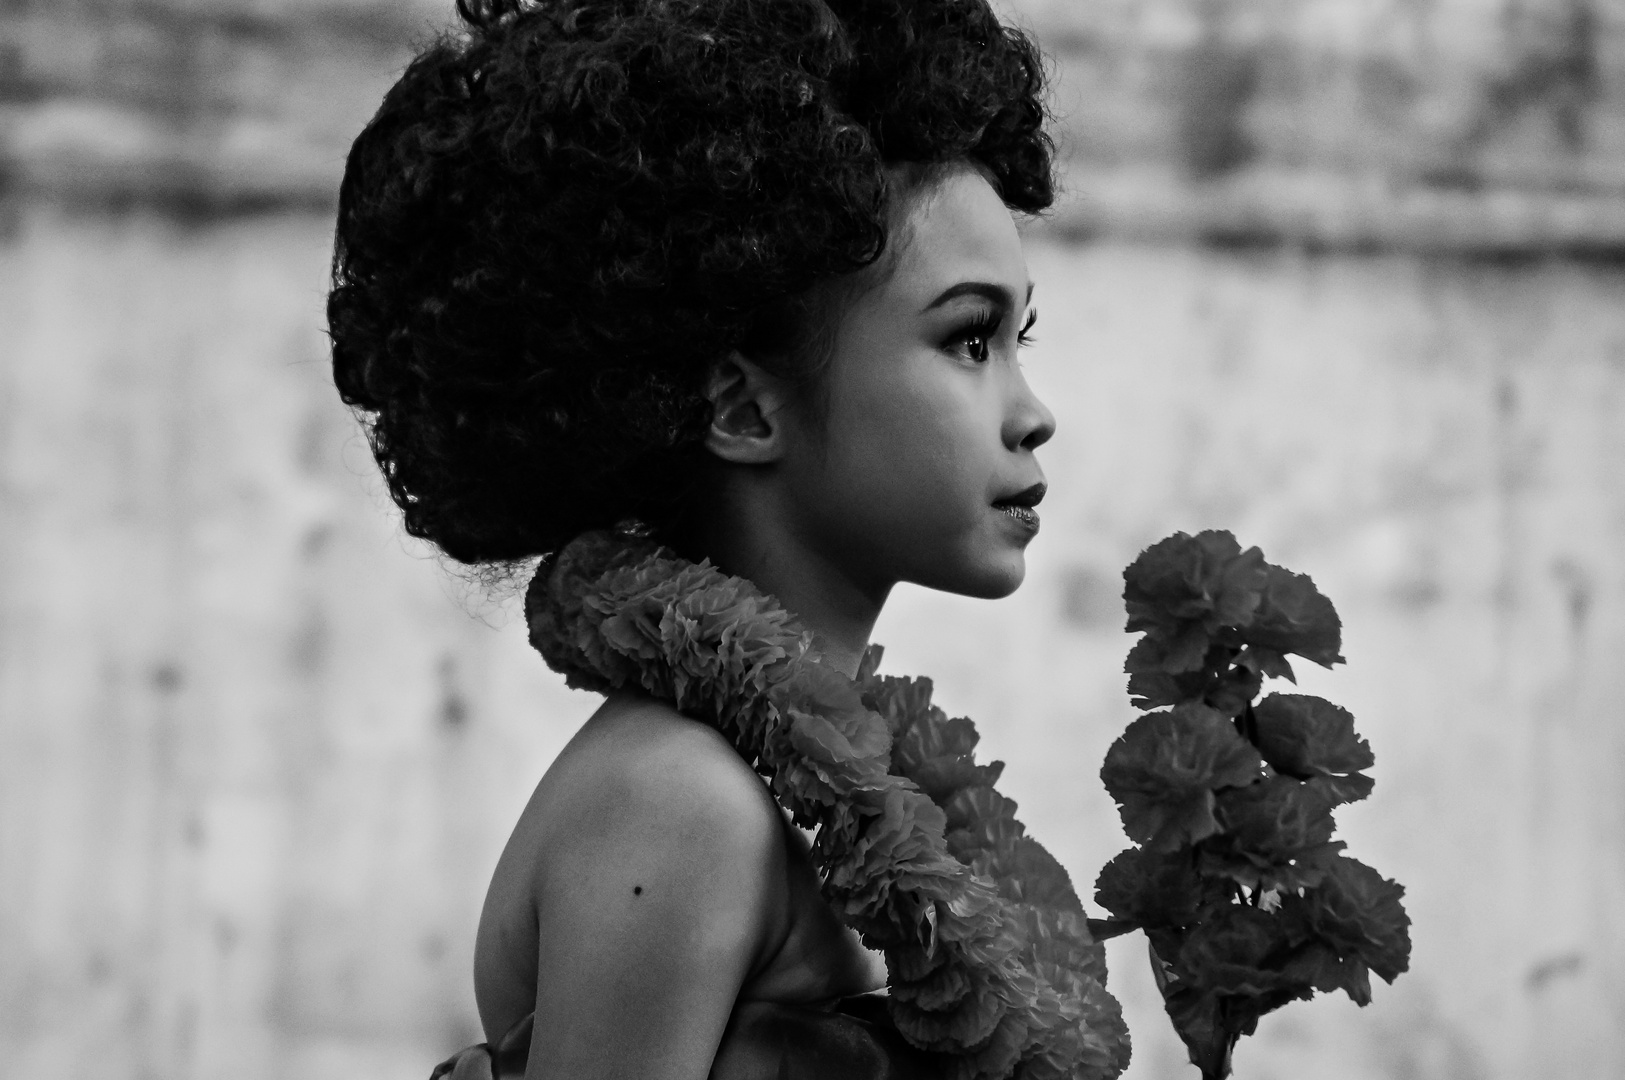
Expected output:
(955, 228)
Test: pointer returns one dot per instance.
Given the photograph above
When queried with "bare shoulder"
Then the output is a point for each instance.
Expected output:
(640, 765)
(647, 830)
(640, 779)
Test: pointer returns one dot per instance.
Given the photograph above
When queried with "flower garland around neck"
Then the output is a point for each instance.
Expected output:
(987, 949)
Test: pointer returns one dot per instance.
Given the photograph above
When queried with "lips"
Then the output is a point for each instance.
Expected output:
(1019, 507)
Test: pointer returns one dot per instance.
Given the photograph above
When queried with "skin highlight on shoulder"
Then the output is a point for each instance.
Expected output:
(645, 817)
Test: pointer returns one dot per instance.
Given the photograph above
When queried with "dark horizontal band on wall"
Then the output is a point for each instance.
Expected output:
(1333, 213)
(1217, 134)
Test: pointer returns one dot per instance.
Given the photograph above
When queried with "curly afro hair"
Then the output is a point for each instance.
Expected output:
(561, 218)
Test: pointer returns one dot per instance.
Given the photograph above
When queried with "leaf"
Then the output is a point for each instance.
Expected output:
(1106, 929)
(1293, 617)
(1195, 1017)
(1357, 912)
(1162, 943)
(1151, 889)
(1164, 770)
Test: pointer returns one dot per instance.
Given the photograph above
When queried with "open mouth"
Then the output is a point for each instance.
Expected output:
(1019, 507)
(1025, 515)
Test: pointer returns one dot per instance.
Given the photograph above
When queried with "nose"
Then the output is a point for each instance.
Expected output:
(1028, 423)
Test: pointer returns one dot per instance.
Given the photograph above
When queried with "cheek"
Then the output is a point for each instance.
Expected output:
(906, 444)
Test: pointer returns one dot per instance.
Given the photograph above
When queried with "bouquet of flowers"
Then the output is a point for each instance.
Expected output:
(1246, 900)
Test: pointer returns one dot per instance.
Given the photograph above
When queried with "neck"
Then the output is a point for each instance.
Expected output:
(744, 532)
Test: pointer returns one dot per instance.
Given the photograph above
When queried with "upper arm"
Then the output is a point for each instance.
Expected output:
(655, 903)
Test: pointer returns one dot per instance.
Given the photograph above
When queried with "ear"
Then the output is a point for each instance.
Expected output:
(747, 427)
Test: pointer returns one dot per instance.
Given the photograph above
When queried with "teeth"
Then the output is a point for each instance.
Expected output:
(1020, 513)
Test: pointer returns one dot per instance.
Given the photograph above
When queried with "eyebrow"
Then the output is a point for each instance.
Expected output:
(998, 294)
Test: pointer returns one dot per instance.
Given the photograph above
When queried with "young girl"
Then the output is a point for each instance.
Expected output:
(715, 305)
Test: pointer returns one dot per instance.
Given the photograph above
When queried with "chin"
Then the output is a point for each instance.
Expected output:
(986, 579)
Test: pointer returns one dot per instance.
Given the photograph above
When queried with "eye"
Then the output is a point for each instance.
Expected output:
(1025, 337)
(974, 341)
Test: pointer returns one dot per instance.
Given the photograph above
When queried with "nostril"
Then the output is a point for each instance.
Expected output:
(1040, 432)
(1028, 424)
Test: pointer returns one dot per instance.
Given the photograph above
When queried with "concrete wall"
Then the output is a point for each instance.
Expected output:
(258, 754)
(1416, 124)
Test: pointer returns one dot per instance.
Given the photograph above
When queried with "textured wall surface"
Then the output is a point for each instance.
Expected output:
(258, 754)
(1456, 125)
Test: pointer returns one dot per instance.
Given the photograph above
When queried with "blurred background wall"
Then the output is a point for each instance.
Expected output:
(1344, 276)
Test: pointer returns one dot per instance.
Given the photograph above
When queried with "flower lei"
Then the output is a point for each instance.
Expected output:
(988, 953)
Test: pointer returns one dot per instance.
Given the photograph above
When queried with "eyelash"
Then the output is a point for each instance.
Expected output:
(987, 324)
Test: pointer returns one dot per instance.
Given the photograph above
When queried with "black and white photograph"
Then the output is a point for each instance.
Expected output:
(812, 539)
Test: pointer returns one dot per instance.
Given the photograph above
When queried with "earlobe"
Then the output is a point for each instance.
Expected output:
(745, 400)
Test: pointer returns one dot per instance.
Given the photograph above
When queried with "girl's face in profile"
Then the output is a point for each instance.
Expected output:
(920, 465)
